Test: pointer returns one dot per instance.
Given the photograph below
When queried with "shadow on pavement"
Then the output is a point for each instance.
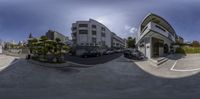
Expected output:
(92, 60)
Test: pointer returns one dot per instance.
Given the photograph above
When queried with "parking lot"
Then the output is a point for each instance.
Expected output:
(187, 63)
(177, 66)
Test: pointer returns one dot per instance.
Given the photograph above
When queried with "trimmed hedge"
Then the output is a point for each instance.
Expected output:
(188, 50)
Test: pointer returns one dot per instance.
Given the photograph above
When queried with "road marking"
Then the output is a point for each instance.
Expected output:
(15, 61)
(182, 70)
(172, 68)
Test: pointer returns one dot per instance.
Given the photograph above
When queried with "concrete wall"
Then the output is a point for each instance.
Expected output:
(1, 49)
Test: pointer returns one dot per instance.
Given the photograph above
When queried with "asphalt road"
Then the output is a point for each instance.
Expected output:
(117, 79)
(92, 60)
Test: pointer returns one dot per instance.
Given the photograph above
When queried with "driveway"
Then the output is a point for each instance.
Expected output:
(117, 79)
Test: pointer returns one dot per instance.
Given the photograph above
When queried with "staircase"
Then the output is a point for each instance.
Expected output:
(158, 61)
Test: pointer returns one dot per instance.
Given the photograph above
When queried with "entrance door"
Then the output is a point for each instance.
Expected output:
(166, 49)
(155, 47)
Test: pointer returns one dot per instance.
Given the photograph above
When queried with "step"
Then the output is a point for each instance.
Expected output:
(158, 61)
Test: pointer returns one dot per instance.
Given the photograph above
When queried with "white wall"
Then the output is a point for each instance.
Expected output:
(0, 49)
(87, 38)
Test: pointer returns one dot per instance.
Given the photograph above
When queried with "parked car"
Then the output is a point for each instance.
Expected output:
(108, 52)
(118, 51)
(133, 54)
(91, 53)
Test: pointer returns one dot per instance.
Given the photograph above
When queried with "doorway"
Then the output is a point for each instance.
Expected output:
(156, 44)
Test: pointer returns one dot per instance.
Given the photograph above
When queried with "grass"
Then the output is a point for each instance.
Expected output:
(188, 50)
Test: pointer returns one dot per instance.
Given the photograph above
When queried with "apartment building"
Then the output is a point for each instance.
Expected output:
(155, 36)
(91, 33)
(118, 42)
(52, 35)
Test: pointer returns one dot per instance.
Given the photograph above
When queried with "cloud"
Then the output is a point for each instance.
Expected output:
(130, 29)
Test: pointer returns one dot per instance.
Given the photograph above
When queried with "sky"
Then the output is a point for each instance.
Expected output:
(19, 18)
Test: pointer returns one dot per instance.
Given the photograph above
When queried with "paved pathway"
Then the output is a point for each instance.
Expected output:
(117, 79)
(92, 60)
(6, 61)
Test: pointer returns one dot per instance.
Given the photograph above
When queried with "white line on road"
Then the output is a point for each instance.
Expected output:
(187, 70)
(11, 63)
(173, 65)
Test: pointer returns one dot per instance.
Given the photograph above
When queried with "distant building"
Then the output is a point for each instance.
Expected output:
(87, 35)
(52, 35)
(69, 42)
(93, 33)
(118, 42)
(180, 39)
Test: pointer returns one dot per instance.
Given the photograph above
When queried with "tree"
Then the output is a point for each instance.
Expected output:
(131, 42)
(43, 44)
(30, 35)
(31, 44)
(195, 44)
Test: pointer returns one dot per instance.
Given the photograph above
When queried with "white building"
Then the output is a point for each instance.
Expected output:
(91, 33)
(118, 42)
(155, 36)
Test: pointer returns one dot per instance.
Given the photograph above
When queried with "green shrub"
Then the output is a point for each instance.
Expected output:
(188, 50)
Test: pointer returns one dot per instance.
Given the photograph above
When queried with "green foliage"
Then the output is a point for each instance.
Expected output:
(188, 50)
(43, 48)
(195, 44)
(131, 42)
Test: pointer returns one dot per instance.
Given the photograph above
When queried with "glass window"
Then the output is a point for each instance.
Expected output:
(94, 32)
(83, 25)
(94, 26)
(160, 28)
(103, 34)
(94, 40)
(74, 28)
(103, 29)
(103, 43)
(83, 31)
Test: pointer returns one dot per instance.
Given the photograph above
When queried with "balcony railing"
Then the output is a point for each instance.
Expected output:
(157, 28)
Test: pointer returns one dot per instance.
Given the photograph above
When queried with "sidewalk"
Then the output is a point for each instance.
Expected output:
(5, 61)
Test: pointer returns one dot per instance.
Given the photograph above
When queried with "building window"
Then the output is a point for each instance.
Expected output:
(103, 43)
(83, 25)
(74, 28)
(103, 29)
(144, 29)
(74, 34)
(160, 28)
(103, 34)
(94, 26)
(83, 31)
(94, 40)
(94, 32)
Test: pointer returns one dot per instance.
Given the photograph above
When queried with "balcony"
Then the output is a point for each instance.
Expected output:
(158, 29)
(83, 28)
